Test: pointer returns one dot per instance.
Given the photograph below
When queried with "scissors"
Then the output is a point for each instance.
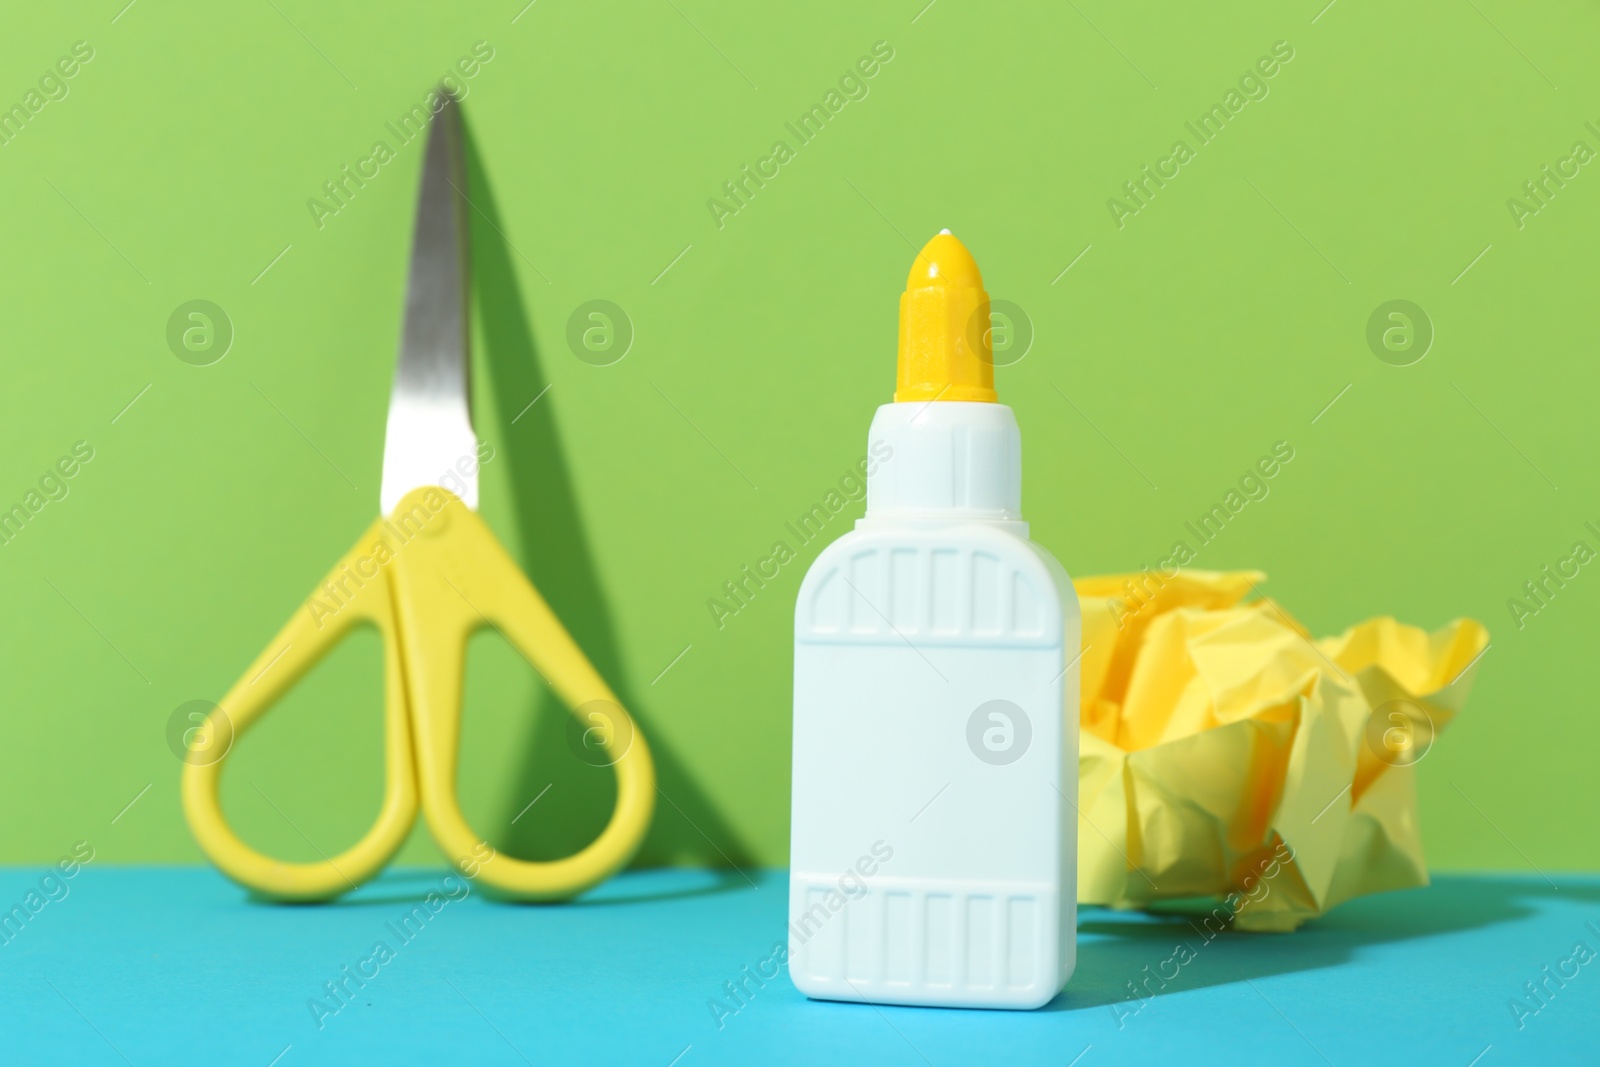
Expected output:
(427, 575)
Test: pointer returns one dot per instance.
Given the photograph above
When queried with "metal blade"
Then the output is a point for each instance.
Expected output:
(430, 439)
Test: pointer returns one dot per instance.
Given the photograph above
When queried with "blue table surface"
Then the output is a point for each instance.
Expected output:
(177, 965)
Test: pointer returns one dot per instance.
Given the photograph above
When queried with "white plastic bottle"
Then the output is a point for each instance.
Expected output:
(933, 846)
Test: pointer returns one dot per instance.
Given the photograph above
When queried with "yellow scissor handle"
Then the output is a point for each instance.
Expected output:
(427, 577)
(452, 578)
(354, 593)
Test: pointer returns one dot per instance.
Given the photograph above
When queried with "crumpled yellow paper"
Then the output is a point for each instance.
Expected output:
(1227, 756)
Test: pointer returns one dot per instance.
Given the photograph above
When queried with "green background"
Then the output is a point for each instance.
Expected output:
(1225, 316)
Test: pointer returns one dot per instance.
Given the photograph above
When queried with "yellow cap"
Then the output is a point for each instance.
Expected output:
(945, 351)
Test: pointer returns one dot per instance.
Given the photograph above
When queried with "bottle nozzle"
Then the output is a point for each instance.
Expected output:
(945, 351)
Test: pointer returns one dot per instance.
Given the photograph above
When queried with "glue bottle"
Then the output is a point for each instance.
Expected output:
(933, 846)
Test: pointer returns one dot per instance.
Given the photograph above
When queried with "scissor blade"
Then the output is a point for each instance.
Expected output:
(430, 439)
